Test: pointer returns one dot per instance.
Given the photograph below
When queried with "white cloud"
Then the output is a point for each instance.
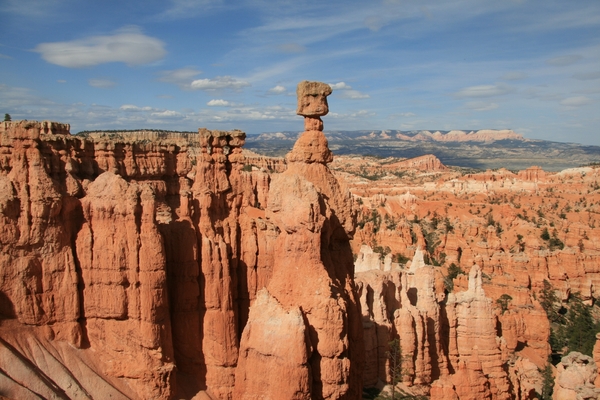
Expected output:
(218, 103)
(481, 105)
(134, 108)
(129, 46)
(514, 76)
(144, 111)
(484, 91)
(166, 114)
(61, 81)
(220, 82)
(347, 92)
(587, 76)
(564, 60)
(576, 101)
(278, 89)
(340, 86)
(101, 83)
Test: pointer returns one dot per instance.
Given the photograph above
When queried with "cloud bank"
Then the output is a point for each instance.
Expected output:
(128, 46)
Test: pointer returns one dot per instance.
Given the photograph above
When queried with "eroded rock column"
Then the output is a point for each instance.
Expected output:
(312, 275)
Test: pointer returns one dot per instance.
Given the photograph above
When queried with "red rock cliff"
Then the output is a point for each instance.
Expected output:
(144, 267)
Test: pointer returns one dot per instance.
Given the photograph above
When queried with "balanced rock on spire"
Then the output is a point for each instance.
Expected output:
(312, 145)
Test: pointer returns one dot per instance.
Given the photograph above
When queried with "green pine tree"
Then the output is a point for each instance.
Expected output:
(394, 354)
(581, 328)
(548, 383)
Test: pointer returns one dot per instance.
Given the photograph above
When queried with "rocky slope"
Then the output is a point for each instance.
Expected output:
(518, 230)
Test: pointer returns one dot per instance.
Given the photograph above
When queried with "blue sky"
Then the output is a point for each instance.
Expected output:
(532, 66)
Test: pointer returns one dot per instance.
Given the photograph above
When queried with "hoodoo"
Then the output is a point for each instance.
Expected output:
(312, 278)
(149, 265)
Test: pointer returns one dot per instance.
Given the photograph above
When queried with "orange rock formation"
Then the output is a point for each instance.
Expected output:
(520, 229)
(161, 265)
(146, 266)
(312, 277)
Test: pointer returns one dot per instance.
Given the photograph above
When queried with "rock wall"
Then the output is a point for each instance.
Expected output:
(454, 346)
(156, 262)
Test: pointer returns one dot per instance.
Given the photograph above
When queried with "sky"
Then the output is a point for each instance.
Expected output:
(531, 66)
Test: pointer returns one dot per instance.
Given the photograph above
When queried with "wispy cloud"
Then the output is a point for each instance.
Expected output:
(291, 48)
(134, 108)
(30, 8)
(346, 91)
(340, 86)
(128, 45)
(484, 91)
(219, 82)
(189, 8)
(576, 101)
(353, 95)
(182, 77)
(514, 76)
(166, 114)
(562, 61)
(587, 76)
(374, 22)
(352, 115)
(134, 113)
(567, 18)
(101, 83)
(481, 105)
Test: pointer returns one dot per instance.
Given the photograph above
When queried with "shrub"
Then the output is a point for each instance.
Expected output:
(545, 234)
(453, 272)
(503, 302)
(400, 258)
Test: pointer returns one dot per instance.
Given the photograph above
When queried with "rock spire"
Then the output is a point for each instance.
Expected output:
(312, 277)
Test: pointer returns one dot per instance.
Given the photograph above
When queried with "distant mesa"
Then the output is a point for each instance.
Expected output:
(484, 135)
(479, 149)
(428, 162)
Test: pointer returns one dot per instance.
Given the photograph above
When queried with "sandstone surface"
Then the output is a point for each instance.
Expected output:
(154, 264)
(575, 377)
